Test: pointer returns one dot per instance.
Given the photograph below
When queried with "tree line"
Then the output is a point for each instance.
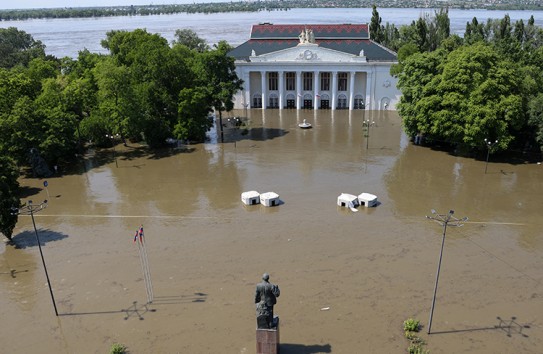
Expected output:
(255, 6)
(463, 90)
(144, 89)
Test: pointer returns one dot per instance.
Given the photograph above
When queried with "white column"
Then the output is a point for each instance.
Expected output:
(316, 75)
(351, 90)
(368, 90)
(281, 89)
(247, 87)
(263, 82)
(334, 89)
(298, 89)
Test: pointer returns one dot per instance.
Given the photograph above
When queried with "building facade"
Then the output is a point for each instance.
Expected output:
(314, 67)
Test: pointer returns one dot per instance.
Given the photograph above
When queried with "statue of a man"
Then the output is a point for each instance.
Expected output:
(265, 298)
(310, 36)
(302, 37)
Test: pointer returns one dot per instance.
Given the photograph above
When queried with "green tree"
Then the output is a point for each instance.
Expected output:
(216, 71)
(155, 74)
(535, 113)
(58, 123)
(190, 39)
(9, 195)
(462, 97)
(474, 32)
(115, 100)
(194, 107)
(18, 48)
(376, 30)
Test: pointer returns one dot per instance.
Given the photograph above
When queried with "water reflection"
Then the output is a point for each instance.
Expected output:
(269, 152)
(18, 277)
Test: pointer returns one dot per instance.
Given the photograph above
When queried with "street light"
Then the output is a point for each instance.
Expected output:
(444, 220)
(112, 137)
(245, 105)
(30, 209)
(367, 124)
(489, 145)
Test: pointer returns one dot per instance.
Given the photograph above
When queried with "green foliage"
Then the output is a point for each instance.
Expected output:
(18, 48)
(376, 30)
(463, 96)
(9, 195)
(190, 39)
(117, 348)
(412, 325)
(415, 348)
(535, 114)
(416, 344)
(194, 107)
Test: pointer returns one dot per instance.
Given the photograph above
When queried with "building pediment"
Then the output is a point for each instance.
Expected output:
(307, 52)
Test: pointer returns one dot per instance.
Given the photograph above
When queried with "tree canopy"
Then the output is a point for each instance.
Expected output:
(144, 89)
(461, 91)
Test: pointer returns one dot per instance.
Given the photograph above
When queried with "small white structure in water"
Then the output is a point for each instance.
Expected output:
(250, 198)
(348, 200)
(305, 125)
(270, 199)
(367, 200)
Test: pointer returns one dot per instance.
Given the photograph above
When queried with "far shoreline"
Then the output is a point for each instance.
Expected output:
(225, 7)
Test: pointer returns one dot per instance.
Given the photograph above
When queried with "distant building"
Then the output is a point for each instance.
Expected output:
(314, 67)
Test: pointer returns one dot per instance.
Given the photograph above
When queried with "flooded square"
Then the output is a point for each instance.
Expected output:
(370, 270)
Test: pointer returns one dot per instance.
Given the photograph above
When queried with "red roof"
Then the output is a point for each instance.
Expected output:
(320, 31)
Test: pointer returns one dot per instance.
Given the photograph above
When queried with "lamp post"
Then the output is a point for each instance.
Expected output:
(444, 220)
(245, 105)
(367, 124)
(30, 209)
(112, 137)
(489, 145)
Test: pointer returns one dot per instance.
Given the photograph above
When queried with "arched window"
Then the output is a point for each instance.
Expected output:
(257, 100)
(342, 101)
(274, 101)
(359, 102)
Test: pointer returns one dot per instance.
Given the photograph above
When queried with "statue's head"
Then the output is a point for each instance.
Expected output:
(266, 276)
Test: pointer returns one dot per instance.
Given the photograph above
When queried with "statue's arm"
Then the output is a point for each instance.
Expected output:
(276, 291)
(257, 296)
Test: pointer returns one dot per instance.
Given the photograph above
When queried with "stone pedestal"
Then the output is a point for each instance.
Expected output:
(267, 340)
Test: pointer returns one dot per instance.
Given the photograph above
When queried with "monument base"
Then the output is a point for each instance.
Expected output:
(267, 340)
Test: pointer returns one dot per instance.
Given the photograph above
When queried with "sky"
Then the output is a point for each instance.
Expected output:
(39, 4)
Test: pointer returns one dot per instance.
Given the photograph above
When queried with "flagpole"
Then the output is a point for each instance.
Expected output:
(142, 260)
(145, 274)
(148, 271)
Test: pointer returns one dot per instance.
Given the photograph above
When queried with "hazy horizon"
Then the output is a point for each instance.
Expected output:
(40, 4)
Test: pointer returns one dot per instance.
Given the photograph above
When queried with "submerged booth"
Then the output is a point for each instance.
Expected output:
(270, 199)
(250, 198)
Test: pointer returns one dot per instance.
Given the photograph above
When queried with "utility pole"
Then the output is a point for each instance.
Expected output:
(444, 220)
(30, 209)
(489, 145)
(367, 124)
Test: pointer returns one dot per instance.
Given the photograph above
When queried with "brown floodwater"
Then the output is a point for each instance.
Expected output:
(348, 279)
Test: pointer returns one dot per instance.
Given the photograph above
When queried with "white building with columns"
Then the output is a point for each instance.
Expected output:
(314, 67)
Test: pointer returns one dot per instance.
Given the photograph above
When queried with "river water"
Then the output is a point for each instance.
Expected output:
(348, 279)
(66, 37)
